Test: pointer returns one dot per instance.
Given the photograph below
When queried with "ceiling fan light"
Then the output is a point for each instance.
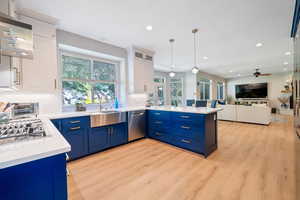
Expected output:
(195, 70)
(172, 74)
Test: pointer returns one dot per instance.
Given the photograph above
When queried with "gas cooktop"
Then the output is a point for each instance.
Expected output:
(21, 129)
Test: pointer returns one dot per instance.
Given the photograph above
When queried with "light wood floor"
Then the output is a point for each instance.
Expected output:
(253, 162)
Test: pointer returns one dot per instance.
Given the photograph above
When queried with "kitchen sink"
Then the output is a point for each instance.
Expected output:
(107, 117)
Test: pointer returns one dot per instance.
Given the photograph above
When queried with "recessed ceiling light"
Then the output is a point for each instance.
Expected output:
(259, 44)
(285, 63)
(239, 74)
(287, 53)
(149, 28)
(205, 57)
(230, 71)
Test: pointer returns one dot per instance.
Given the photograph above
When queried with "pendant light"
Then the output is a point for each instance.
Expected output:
(195, 69)
(172, 73)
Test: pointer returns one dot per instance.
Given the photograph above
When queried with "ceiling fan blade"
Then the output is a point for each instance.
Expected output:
(265, 74)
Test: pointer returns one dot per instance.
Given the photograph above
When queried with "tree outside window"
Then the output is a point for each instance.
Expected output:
(87, 80)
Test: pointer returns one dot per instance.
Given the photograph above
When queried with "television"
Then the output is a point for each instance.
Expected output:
(251, 91)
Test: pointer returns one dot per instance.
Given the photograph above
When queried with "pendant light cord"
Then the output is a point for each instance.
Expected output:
(194, 31)
(172, 52)
(195, 59)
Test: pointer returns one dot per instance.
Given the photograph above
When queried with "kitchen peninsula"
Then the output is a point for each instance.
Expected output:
(194, 129)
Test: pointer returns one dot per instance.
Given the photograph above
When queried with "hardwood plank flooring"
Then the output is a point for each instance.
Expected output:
(253, 162)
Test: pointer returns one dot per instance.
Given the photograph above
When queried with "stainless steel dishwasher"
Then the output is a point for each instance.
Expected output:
(137, 124)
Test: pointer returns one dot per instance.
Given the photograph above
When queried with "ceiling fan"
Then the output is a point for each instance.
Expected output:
(257, 73)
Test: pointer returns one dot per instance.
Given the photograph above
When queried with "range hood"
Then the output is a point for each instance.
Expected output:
(16, 38)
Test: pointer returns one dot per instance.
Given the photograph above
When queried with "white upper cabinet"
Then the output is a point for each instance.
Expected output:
(41, 73)
(140, 71)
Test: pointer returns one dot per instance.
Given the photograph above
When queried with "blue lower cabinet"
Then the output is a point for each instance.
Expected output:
(77, 140)
(101, 138)
(188, 143)
(118, 134)
(195, 132)
(40, 179)
(98, 139)
(75, 131)
(159, 135)
(189, 130)
(57, 123)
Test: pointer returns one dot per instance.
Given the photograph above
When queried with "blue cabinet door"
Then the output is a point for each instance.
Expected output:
(118, 134)
(57, 123)
(98, 139)
(77, 140)
(43, 179)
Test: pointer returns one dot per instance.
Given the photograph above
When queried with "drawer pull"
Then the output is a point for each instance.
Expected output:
(159, 134)
(185, 141)
(156, 113)
(158, 122)
(74, 122)
(75, 128)
(185, 127)
(185, 117)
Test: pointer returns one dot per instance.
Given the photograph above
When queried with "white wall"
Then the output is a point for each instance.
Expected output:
(275, 82)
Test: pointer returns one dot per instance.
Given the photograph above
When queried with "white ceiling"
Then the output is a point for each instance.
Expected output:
(228, 30)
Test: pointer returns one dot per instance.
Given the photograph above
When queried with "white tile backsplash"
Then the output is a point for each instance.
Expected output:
(48, 103)
(137, 99)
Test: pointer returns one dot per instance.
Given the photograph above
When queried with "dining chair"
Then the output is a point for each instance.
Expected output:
(201, 103)
(190, 102)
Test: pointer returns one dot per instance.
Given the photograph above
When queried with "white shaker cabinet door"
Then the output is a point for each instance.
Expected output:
(139, 76)
(40, 74)
(148, 79)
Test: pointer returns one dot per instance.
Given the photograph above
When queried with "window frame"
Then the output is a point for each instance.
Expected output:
(218, 90)
(182, 89)
(116, 82)
(202, 83)
(164, 84)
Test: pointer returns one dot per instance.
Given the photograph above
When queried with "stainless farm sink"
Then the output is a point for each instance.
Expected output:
(107, 118)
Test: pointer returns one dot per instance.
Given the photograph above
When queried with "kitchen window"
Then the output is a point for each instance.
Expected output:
(220, 91)
(176, 90)
(86, 80)
(204, 87)
(159, 88)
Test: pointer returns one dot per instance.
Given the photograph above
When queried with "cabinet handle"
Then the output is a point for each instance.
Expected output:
(185, 127)
(55, 84)
(158, 122)
(185, 117)
(74, 122)
(185, 141)
(156, 113)
(75, 128)
(157, 133)
(17, 76)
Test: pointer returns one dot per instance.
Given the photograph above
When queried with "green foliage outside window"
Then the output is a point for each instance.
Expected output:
(87, 81)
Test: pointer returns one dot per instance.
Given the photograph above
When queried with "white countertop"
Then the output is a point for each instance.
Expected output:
(186, 109)
(23, 151)
(19, 152)
(134, 108)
